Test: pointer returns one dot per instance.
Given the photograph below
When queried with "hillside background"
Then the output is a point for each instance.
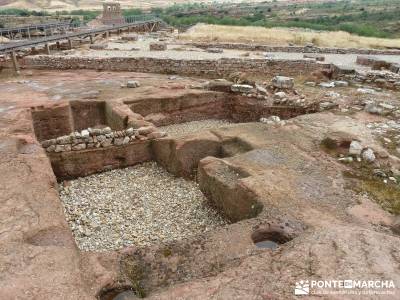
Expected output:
(51, 5)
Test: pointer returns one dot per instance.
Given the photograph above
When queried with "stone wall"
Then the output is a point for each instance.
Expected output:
(294, 49)
(374, 63)
(209, 68)
(384, 74)
(245, 109)
(384, 79)
(96, 138)
(157, 47)
(95, 150)
(72, 164)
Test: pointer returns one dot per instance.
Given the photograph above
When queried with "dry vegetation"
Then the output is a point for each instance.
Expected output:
(51, 5)
(283, 36)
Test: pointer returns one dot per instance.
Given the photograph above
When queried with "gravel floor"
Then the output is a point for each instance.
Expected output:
(182, 129)
(139, 206)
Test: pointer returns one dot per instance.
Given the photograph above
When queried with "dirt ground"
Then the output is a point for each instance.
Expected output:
(40, 87)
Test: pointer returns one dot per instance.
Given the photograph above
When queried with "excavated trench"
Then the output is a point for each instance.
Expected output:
(167, 196)
(164, 111)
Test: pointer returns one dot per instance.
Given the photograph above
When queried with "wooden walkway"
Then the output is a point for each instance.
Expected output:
(29, 30)
(147, 23)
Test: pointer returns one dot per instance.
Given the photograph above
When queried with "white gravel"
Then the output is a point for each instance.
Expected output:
(186, 128)
(139, 206)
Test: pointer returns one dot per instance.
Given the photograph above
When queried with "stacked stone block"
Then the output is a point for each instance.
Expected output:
(96, 138)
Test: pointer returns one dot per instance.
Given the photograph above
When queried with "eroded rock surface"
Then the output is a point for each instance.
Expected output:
(284, 176)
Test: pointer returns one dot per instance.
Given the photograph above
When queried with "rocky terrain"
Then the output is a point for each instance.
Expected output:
(231, 174)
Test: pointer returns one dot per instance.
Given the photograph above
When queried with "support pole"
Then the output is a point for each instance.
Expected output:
(15, 62)
(91, 39)
(69, 44)
(47, 49)
(58, 45)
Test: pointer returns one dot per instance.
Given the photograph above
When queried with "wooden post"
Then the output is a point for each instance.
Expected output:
(47, 49)
(15, 62)
(70, 44)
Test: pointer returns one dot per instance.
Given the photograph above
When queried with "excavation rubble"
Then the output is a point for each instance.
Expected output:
(116, 209)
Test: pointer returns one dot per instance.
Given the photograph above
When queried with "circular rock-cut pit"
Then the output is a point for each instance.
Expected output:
(118, 293)
(270, 238)
(135, 206)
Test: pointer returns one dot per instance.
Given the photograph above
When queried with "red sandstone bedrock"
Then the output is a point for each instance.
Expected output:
(40, 260)
(209, 68)
(38, 256)
(74, 164)
(191, 106)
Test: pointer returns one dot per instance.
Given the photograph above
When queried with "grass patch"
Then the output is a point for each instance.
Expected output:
(167, 252)
(392, 146)
(135, 272)
(370, 18)
(361, 178)
(330, 146)
(283, 36)
(386, 195)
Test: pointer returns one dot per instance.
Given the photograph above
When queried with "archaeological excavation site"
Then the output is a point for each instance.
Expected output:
(137, 164)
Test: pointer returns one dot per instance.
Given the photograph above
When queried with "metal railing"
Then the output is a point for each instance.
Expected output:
(77, 32)
(140, 18)
(33, 30)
